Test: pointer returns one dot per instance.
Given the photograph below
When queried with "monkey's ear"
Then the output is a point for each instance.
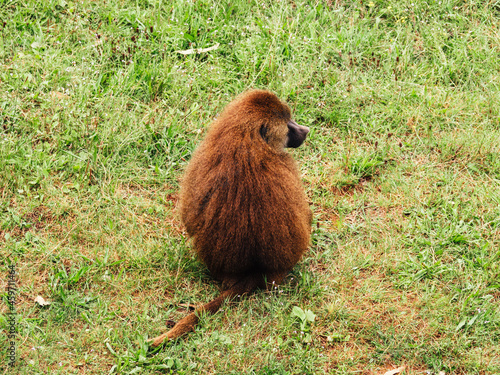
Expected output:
(263, 133)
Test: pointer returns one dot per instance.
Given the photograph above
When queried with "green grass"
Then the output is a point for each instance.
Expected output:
(99, 115)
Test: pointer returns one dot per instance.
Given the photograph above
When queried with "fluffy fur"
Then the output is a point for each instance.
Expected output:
(242, 200)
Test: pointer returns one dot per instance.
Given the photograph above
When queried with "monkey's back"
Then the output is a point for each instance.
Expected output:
(244, 206)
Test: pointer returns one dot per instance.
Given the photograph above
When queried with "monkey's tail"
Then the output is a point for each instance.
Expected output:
(189, 322)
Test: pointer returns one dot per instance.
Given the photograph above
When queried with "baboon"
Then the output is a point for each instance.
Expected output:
(242, 201)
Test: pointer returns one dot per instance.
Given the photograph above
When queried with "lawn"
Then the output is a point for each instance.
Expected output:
(101, 106)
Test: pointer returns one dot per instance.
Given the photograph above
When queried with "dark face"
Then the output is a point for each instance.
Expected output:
(296, 134)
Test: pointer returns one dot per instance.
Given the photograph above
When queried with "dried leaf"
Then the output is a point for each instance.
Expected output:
(395, 371)
(198, 50)
(58, 95)
(41, 301)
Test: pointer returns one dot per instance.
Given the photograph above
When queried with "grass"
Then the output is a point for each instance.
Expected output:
(99, 115)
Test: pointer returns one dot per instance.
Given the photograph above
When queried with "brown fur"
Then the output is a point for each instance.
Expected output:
(242, 201)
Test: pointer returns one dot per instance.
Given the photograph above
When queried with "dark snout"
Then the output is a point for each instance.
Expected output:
(296, 134)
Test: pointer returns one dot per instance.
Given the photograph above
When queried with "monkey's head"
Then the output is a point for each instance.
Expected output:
(267, 117)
